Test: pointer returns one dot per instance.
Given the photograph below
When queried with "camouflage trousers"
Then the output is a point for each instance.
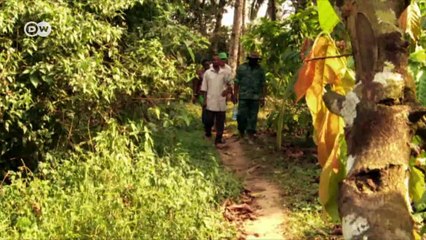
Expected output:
(247, 115)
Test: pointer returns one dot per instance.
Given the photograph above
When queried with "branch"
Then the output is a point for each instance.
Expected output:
(150, 99)
(325, 57)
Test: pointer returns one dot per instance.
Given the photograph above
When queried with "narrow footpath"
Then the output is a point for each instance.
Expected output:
(262, 202)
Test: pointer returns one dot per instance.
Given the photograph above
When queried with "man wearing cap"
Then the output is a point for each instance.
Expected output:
(216, 85)
(224, 65)
(250, 91)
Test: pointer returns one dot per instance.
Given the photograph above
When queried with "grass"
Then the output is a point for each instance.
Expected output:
(123, 188)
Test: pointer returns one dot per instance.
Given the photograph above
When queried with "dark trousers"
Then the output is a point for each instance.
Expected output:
(247, 115)
(217, 118)
(203, 115)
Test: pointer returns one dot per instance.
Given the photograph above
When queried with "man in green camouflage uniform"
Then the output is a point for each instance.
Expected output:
(250, 92)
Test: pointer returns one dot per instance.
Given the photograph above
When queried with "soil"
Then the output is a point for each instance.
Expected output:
(261, 212)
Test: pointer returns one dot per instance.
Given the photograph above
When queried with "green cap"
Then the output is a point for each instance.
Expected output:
(223, 55)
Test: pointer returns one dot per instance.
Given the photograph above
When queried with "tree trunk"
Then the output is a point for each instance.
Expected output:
(200, 16)
(373, 199)
(236, 33)
(216, 36)
(241, 52)
(300, 4)
(272, 10)
(254, 9)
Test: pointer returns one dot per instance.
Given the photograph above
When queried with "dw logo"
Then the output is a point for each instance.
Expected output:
(41, 29)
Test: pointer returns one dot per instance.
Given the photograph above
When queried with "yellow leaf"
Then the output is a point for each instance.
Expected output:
(327, 171)
(327, 71)
(315, 75)
(305, 78)
(409, 21)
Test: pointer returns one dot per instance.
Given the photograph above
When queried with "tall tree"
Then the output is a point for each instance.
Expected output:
(241, 51)
(236, 33)
(272, 10)
(218, 24)
(254, 8)
(300, 4)
(373, 199)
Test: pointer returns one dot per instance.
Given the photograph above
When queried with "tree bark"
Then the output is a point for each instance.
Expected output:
(254, 9)
(202, 28)
(300, 4)
(373, 198)
(216, 31)
(241, 51)
(272, 10)
(235, 36)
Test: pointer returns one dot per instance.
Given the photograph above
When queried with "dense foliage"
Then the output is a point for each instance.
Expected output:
(121, 188)
(80, 110)
(55, 88)
(418, 57)
(280, 43)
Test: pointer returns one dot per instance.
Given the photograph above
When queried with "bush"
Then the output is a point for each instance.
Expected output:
(120, 189)
(95, 60)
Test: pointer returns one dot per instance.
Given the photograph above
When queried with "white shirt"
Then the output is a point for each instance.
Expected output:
(214, 83)
(226, 68)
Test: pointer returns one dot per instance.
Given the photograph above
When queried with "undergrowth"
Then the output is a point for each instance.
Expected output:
(118, 186)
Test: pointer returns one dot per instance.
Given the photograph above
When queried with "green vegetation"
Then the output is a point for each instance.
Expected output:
(98, 141)
(120, 188)
(91, 146)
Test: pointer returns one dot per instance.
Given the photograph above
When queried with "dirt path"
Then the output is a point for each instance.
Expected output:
(267, 202)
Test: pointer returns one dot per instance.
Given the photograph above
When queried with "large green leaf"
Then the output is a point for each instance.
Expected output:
(331, 206)
(327, 16)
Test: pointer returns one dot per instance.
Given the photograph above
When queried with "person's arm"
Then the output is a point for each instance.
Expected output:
(204, 88)
(195, 82)
(235, 93)
(228, 83)
(264, 89)
(237, 81)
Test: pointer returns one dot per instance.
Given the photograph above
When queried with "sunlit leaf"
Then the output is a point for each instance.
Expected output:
(326, 71)
(327, 16)
(34, 81)
(421, 82)
(410, 20)
(191, 53)
(305, 78)
(333, 173)
(417, 185)
(418, 56)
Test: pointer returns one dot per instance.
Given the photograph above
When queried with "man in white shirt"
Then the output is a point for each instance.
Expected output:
(224, 57)
(216, 85)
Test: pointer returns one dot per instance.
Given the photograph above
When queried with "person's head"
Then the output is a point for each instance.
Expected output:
(253, 59)
(206, 64)
(223, 56)
(217, 62)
